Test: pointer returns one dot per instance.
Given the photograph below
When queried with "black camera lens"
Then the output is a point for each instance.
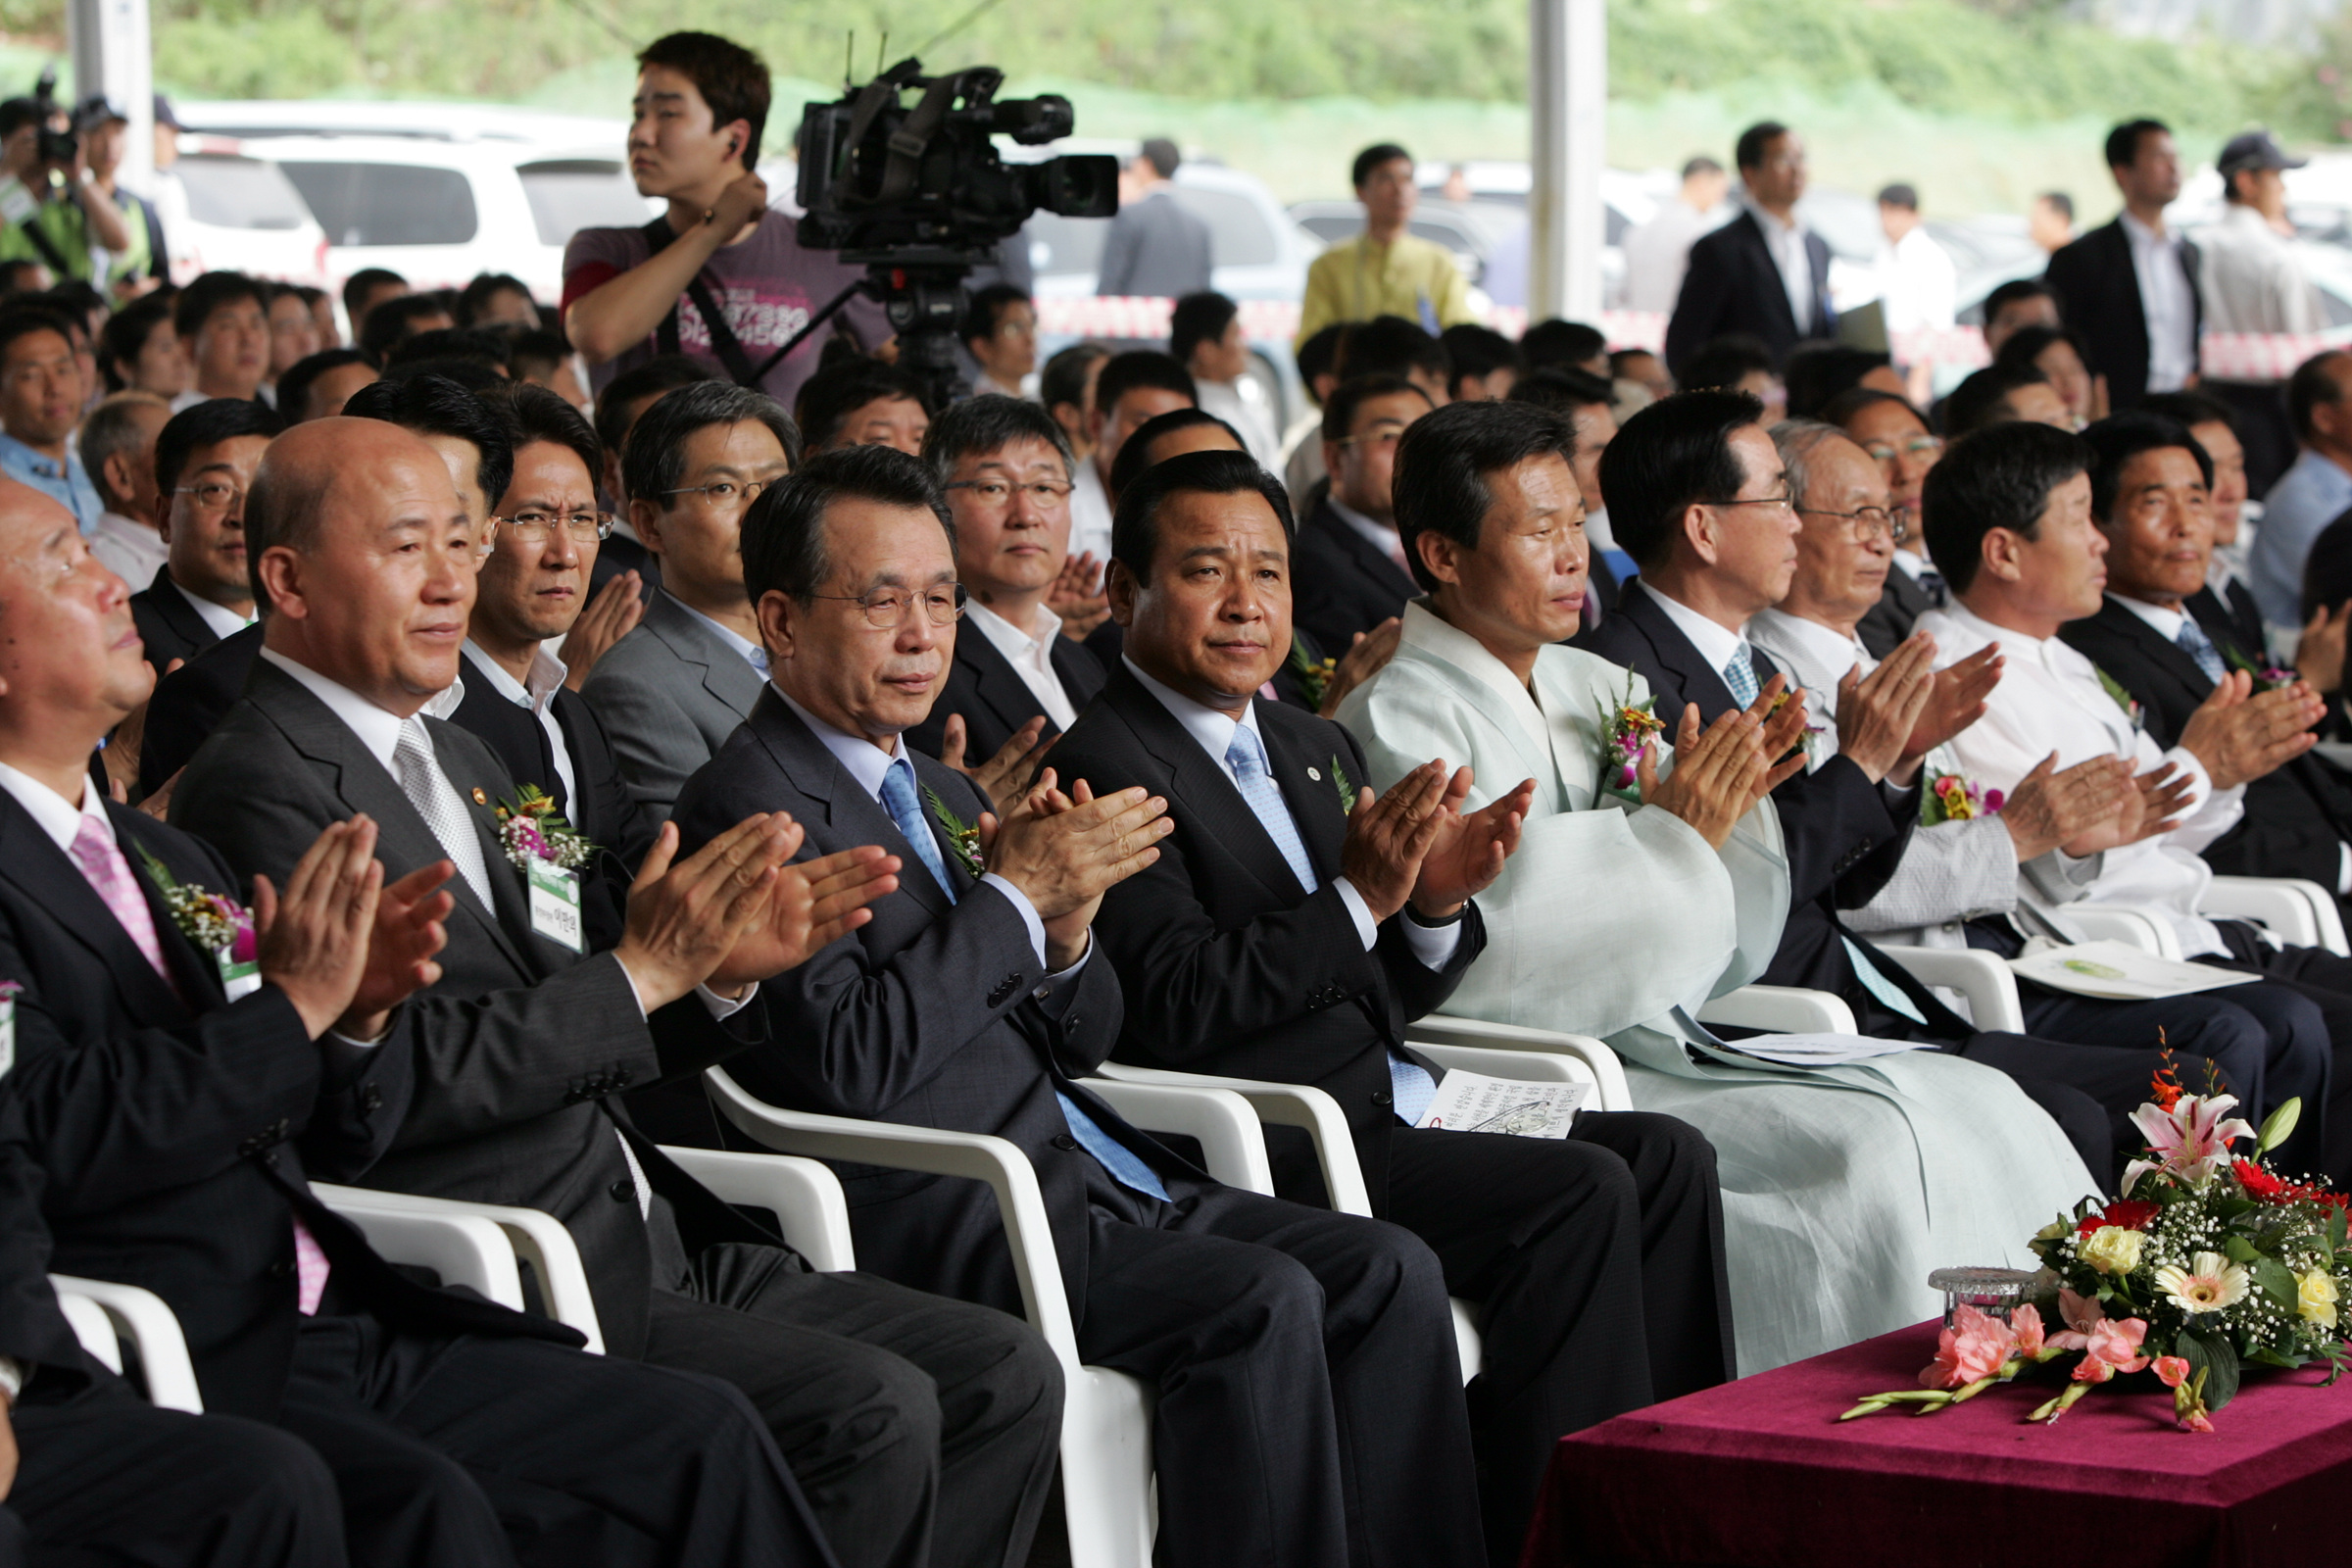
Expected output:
(59, 146)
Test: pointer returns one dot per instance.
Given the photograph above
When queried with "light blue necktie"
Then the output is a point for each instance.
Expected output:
(1740, 676)
(2199, 647)
(1873, 980)
(1410, 1086)
(897, 798)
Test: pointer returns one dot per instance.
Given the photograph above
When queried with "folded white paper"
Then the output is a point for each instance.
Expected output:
(1819, 1051)
(1473, 1102)
(2118, 971)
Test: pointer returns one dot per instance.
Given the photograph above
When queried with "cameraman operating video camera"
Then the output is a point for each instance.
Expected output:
(51, 210)
(720, 252)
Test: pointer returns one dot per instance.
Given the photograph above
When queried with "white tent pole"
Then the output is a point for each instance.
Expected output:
(1568, 77)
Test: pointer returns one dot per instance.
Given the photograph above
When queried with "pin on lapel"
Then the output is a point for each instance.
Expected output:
(1315, 773)
(480, 797)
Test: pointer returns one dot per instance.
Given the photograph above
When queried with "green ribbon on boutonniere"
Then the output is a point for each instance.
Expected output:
(965, 836)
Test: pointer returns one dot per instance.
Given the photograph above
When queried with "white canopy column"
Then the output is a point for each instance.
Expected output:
(1568, 98)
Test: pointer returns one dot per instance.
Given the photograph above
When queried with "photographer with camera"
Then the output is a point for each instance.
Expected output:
(719, 278)
(51, 209)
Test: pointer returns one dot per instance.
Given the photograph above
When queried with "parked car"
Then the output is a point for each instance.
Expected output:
(244, 216)
(439, 192)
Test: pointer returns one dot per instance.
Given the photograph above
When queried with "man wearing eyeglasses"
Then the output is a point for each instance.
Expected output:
(205, 458)
(1350, 573)
(1019, 682)
(1898, 441)
(671, 690)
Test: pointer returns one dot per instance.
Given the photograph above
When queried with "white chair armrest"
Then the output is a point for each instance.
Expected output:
(1523, 1066)
(532, 1236)
(2288, 906)
(804, 1194)
(1607, 1071)
(975, 1157)
(144, 1317)
(1983, 979)
(2126, 922)
(92, 1327)
(1781, 1010)
(461, 1248)
(1232, 1148)
(1300, 1106)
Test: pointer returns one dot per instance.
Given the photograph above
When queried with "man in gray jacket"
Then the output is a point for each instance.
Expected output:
(1156, 248)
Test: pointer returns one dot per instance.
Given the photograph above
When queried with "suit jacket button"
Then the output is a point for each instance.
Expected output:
(623, 1190)
(1073, 1023)
(371, 1097)
(1380, 1097)
(1064, 1141)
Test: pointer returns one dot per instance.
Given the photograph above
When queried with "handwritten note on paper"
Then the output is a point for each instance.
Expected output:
(1473, 1102)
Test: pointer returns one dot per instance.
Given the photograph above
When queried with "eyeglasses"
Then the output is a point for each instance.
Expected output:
(1387, 435)
(887, 610)
(725, 492)
(534, 527)
(213, 495)
(1783, 502)
(996, 492)
(1867, 521)
(1918, 446)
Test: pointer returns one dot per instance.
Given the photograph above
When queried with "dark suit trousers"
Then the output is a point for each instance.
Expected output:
(1596, 1261)
(451, 1453)
(1310, 1408)
(106, 1477)
(922, 1431)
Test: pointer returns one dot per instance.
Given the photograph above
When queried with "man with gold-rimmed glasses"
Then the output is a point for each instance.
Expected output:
(675, 687)
(204, 462)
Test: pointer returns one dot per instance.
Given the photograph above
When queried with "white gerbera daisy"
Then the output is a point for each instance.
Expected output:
(2209, 1283)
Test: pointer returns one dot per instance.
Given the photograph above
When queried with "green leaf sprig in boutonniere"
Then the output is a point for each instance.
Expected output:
(2268, 677)
(965, 836)
(1339, 777)
(2122, 699)
(532, 829)
(1314, 677)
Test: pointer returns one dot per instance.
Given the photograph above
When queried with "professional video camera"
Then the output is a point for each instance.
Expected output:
(919, 196)
(60, 147)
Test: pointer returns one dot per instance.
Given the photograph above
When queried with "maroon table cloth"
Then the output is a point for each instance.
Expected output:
(1761, 1474)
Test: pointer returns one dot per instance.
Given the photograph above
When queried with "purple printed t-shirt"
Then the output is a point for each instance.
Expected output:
(767, 286)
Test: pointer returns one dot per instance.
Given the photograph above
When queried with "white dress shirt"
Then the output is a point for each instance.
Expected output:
(1918, 286)
(224, 621)
(2050, 701)
(1816, 658)
(538, 694)
(1242, 406)
(130, 549)
(1381, 536)
(867, 763)
(1786, 243)
(1031, 657)
(2166, 302)
(1090, 512)
(751, 653)
(56, 817)
(1715, 642)
(1214, 731)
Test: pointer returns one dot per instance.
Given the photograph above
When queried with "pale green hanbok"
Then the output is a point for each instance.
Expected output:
(1842, 1186)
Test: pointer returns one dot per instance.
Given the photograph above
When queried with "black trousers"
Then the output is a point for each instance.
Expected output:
(1597, 1264)
(1310, 1410)
(2326, 980)
(922, 1431)
(103, 1477)
(453, 1452)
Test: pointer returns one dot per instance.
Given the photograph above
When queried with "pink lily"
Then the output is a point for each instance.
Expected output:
(1976, 1346)
(2114, 1348)
(2083, 1313)
(2192, 1141)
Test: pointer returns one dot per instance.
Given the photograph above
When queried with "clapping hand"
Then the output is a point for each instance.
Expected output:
(814, 902)
(1079, 596)
(2241, 735)
(609, 617)
(2148, 809)
(1877, 712)
(1719, 773)
(1065, 851)
(2051, 809)
(1955, 700)
(409, 931)
(311, 939)
(1469, 850)
(1368, 653)
(1002, 776)
(685, 918)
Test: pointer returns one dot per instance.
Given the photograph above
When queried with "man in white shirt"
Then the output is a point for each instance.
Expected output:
(1918, 287)
(1204, 331)
(1658, 251)
(1016, 681)
(2012, 528)
(205, 458)
(118, 451)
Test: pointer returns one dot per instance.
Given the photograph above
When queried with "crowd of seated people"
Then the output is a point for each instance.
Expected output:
(422, 762)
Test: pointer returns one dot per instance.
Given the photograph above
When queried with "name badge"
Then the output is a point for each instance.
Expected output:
(556, 904)
(238, 979)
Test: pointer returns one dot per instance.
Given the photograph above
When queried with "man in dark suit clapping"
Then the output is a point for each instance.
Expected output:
(1303, 1349)
(176, 1088)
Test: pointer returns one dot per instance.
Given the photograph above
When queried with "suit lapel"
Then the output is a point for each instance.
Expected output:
(995, 683)
(2170, 657)
(511, 909)
(1372, 562)
(1081, 672)
(726, 674)
(52, 882)
(1775, 286)
(195, 972)
(1676, 655)
(819, 775)
(1311, 788)
(1199, 792)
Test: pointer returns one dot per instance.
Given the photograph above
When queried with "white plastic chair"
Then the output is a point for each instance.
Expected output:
(1988, 988)
(102, 1313)
(1107, 1415)
(804, 1194)
(475, 1244)
(1608, 1073)
(2142, 928)
(2298, 912)
(1781, 1011)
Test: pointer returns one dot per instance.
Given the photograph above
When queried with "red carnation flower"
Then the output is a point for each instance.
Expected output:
(2131, 1214)
(2261, 1184)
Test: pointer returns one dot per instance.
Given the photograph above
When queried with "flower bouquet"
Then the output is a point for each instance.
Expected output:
(530, 828)
(1629, 733)
(1950, 797)
(2206, 1263)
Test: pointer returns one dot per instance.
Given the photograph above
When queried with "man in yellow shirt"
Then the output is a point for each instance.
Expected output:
(1385, 271)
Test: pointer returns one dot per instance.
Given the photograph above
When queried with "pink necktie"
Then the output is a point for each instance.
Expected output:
(109, 874)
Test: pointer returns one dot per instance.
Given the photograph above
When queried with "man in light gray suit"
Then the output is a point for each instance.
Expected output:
(922, 1432)
(1156, 247)
(671, 690)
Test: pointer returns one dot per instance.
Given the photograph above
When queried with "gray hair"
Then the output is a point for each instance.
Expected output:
(111, 430)
(1796, 440)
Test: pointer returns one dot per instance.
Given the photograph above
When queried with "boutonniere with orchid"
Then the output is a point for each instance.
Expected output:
(1952, 798)
(218, 925)
(2121, 698)
(1314, 677)
(2268, 677)
(1629, 732)
(965, 836)
(530, 829)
